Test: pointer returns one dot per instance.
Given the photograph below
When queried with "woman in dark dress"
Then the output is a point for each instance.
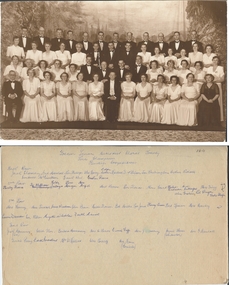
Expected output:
(209, 111)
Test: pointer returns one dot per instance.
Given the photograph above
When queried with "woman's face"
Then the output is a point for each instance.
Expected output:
(208, 79)
(34, 46)
(29, 64)
(183, 53)
(143, 48)
(195, 47)
(47, 76)
(170, 64)
(72, 68)
(15, 60)
(174, 81)
(184, 65)
(198, 66)
(96, 77)
(156, 50)
(160, 79)
(128, 78)
(78, 48)
(47, 47)
(62, 46)
(170, 52)
(30, 73)
(42, 65)
(143, 78)
(16, 42)
(153, 65)
(64, 77)
(80, 77)
(208, 49)
(215, 61)
(190, 78)
(57, 64)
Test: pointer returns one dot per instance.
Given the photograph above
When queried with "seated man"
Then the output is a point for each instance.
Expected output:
(112, 95)
(104, 72)
(12, 92)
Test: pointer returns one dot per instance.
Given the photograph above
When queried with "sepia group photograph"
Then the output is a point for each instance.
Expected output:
(151, 71)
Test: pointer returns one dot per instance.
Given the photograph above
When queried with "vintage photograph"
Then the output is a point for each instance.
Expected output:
(114, 71)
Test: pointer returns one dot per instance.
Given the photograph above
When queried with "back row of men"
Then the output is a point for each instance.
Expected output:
(176, 45)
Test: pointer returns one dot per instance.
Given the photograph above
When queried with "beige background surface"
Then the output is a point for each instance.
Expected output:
(114, 215)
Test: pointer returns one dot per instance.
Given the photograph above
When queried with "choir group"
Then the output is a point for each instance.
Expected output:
(67, 80)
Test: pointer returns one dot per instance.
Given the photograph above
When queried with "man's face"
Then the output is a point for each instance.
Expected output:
(41, 32)
(85, 37)
(110, 46)
(129, 36)
(24, 32)
(145, 37)
(193, 35)
(100, 36)
(58, 33)
(112, 75)
(104, 65)
(138, 60)
(12, 75)
(127, 46)
(70, 35)
(121, 63)
(115, 37)
(95, 47)
(88, 60)
(160, 37)
(176, 36)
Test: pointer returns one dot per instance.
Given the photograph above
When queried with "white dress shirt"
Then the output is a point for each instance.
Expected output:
(89, 69)
(112, 91)
(121, 72)
(177, 45)
(42, 40)
(24, 39)
(85, 44)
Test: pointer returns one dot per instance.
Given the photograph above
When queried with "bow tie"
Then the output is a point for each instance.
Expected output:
(160, 42)
(146, 43)
(88, 65)
(13, 81)
(41, 37)
(85, 41)
(111, 51)
(104, 70)
(101, 41)
(24, 36)
(115, 42)
(139, 65)
(70, 40)
(121, 68)
(177, 41)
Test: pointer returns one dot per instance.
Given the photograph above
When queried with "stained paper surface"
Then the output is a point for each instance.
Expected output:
(114, 215)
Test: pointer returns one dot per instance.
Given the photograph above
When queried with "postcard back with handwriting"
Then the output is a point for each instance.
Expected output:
(114, 215)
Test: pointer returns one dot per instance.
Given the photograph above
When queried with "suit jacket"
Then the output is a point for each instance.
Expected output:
(133, 46)
(137, 76)
(7, 89)
(150, 46)
(97, 60)
(28, 43)
(68, 47)
(129, 59)
(114, 60)
(189, 46)
(41, 46)
(105, 47)
(101, 77)
(90, 48)
(117, 90)
(118, 74)
(118, 47)
(173, 47)
(86, 75)
(56, 44)
(164, 50)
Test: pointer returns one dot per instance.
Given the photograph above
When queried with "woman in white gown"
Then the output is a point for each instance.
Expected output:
(171, 106)
(15, 66)
(141, 103)
(187, 115)
(34, 53)
(208, 56)
(72, 72)
(195, 56)
(182, 56)
(183, 72)
(48, 98)
(49, 55)
(79, 58)
(63, 55)
(159, 96)
(96, 91)
(199, 75)
(32, 103)
(65, 107)
(171, 71)
(153, 72)
(126, 109)
(29, 65)
(217, 71)
(159, 57)
(170, 57)
(41, 68)
(80, 92)
(146, 55)
(57, 70)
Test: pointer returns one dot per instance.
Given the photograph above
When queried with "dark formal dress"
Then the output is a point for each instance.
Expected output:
(189, 46)
(104, 74)
(137, 73)
(27, 45)
(88, 72)
(177, 49)
(163, 47)
(56, 43)
(128, 57)
(70, 45)
(209, 113)
(38, 40)
(87, 47)
(149, 45)
(112, 106)
(120, 74)
(111, 58)
(11, 87)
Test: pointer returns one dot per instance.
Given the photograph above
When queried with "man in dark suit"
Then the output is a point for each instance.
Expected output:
(24, 40)
(129, 37)
(112, 95)
(139, 69)
(147, 42)
(189, 44)
(12, 92)
(121, 71)
(116, 42)
(55, 42)
(104, 72)
(177, 45)
(128, 56)
(111, 56)
(163, 46)
(88, 70)
(41, 40)
(95, 55)
(70, 43)
(87, 46)
(103, 47)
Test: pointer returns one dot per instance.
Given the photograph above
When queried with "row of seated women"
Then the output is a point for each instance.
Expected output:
(142, 102)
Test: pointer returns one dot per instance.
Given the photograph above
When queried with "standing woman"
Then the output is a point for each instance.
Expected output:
(65, 107)
(41, 68)
(171, 71)
(195, 55)
(57, 70)
(153, 72)
(209, 111)
(217, 71)
(73, 72)
(63, 55)
(126, 110)
(141, 103)
(80, 92)
(15, 66)
(187, 115)
(146, 55)
(79, 58)
(171, 106)
(29, 65)
(48, 98)
(208, 56)
(32, 109)
(96, 91)
(170, 57)
(159, 96)
(199, 73)
(49, 55)
(15, 49)
(183, 72)
(183, 56)
(34, 54)
(159, 57)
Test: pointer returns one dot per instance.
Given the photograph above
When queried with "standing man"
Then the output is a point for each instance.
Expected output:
(128, 56)
(87, 46)
(88, 70)
(162, 45)
(189, 44)
(24, 40)
(121, 71)
(139, 69)
(111, 56)
(129, 37)
(103, 47)
(95, 55)
(104, 72)
(112, 95)
(70, 44)
(117, 44)
(41, 40)
(177, 45)
(147, 42)
(12, 92)
(55, 42)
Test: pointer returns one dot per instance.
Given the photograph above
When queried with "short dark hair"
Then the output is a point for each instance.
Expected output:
(209, 74)
(155, 62)
(216, 56)
(101, 32)
(163, 77)
(190, 74)
(15, 37)
(176, 32)
(209, 45)
(59, 29)
(176, 77)
(45, 72)
(185, 61)
(128, 74)
(77, 76)
(69, 31)
(46, 63)
(63, 74)
(200, 62)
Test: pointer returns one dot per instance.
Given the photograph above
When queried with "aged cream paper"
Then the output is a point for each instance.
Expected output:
(114, 215)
